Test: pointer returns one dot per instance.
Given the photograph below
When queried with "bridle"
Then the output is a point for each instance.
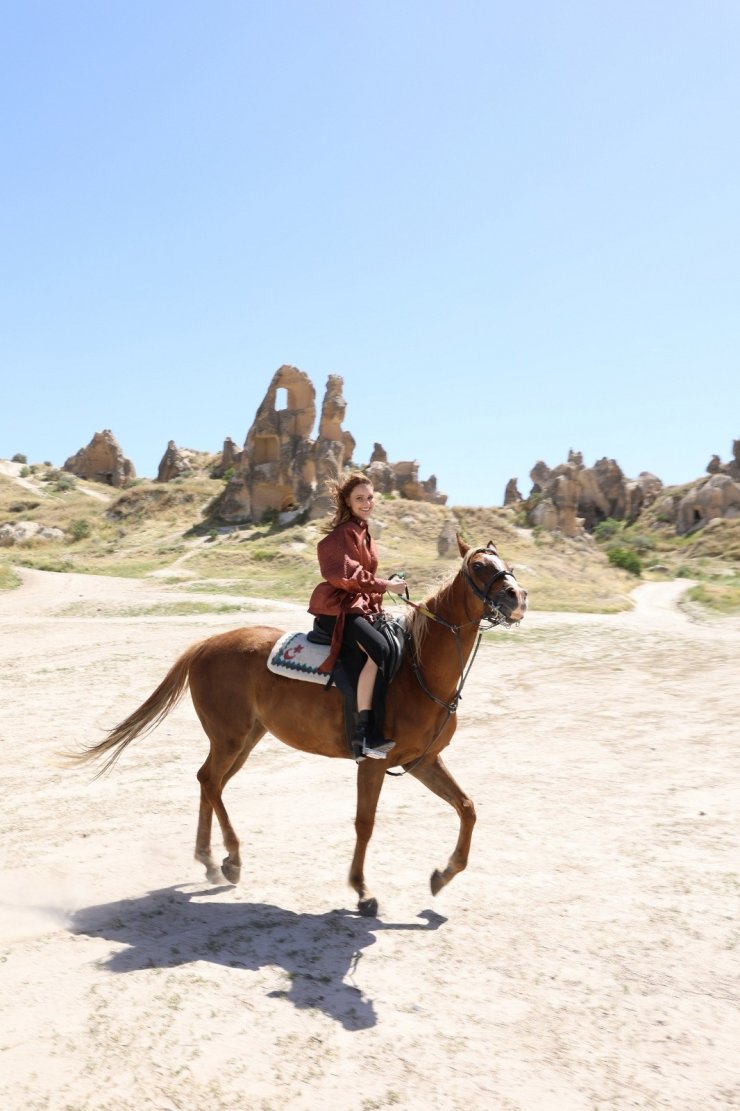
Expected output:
(492, 614)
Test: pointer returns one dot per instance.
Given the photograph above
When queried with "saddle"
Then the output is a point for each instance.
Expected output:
(300, 655)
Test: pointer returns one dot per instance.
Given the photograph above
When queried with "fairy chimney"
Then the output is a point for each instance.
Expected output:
(175, 463)
(102, 461)
(281, 467)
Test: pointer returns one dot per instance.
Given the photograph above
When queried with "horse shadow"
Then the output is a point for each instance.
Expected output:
(319, 953)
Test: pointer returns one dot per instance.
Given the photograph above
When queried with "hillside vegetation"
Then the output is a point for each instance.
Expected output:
(172, 531)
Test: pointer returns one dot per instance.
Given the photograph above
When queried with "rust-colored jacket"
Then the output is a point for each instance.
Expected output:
(348, 561)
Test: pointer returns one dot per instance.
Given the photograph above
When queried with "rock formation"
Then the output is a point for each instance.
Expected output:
(334, 447)
(716, 466)
(102, 461)
(714, 497)
(709, 499)
(231, 457)
(511, 493)
(175, 462)
(447, 540)
(281, 468)
(277, 468)
(18, 531)
(572, 497)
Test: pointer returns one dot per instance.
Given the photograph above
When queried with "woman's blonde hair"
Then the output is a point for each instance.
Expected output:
(339, 493)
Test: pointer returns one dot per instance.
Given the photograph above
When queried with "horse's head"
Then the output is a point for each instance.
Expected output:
(492, 580)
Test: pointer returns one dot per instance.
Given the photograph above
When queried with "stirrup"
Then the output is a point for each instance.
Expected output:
(373, 753)
(377, 752)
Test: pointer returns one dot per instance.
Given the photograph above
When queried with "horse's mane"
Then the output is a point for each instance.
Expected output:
(418, 623)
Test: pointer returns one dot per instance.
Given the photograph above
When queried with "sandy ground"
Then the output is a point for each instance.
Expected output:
(587, 960)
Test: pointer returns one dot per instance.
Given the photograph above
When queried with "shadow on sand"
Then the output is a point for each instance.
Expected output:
(176, 926)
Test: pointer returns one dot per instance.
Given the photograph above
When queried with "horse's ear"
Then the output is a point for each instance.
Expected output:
(464, 549)
(492, 546)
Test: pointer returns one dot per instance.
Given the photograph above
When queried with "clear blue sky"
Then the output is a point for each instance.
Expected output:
(513, 229)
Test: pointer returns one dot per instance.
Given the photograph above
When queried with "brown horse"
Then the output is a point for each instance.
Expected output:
(238, 700)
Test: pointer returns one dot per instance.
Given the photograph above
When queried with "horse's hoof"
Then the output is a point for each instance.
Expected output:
(231, 872)
(368, 908)
(437, 881)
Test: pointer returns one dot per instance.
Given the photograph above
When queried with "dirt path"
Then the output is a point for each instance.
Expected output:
(588, 958)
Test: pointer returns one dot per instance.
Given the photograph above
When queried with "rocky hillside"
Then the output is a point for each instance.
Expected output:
(51, 520)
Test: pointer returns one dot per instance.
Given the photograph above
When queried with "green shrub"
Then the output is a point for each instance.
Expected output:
(263, 555)
(64, 483)
(607, 528)
(19, 458)
(625, 558)
(80, 529)
(60, 480)
(25, 472)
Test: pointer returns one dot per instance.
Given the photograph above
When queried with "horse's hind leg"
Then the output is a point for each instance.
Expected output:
(436, 777)
(369, 783)
(223, 761)
(203, 836)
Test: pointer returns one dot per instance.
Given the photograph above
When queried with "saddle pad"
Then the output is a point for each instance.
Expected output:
(295, 657)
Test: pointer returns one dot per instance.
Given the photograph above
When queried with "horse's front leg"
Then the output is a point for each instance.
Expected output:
(370, 778)
(436, 777)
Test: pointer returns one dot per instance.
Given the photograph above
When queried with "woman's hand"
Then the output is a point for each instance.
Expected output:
(397, 583)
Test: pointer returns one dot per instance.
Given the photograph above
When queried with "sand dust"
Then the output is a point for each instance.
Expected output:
(587, 960)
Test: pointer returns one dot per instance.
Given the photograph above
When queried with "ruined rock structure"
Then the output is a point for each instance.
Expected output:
(572, 498)
(102, 461)
(282, 468)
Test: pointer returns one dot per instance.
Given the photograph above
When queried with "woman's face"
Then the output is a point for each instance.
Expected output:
(361, 500)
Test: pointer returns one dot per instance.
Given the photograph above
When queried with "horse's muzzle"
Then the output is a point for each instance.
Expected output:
(511, 604)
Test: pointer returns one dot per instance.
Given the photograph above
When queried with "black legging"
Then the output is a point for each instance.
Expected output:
(358, 630)
(360, 633)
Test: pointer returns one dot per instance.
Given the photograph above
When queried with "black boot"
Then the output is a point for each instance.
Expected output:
(363, 746)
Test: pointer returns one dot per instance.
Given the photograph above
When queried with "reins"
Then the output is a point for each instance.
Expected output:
(495, 617)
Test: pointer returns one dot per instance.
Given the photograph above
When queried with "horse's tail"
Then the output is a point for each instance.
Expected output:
(141, 721)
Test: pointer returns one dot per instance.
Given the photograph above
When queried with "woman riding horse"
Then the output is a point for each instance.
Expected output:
(345, 603)
(237, 700)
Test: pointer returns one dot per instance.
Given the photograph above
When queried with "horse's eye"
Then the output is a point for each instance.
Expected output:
(478, 567)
